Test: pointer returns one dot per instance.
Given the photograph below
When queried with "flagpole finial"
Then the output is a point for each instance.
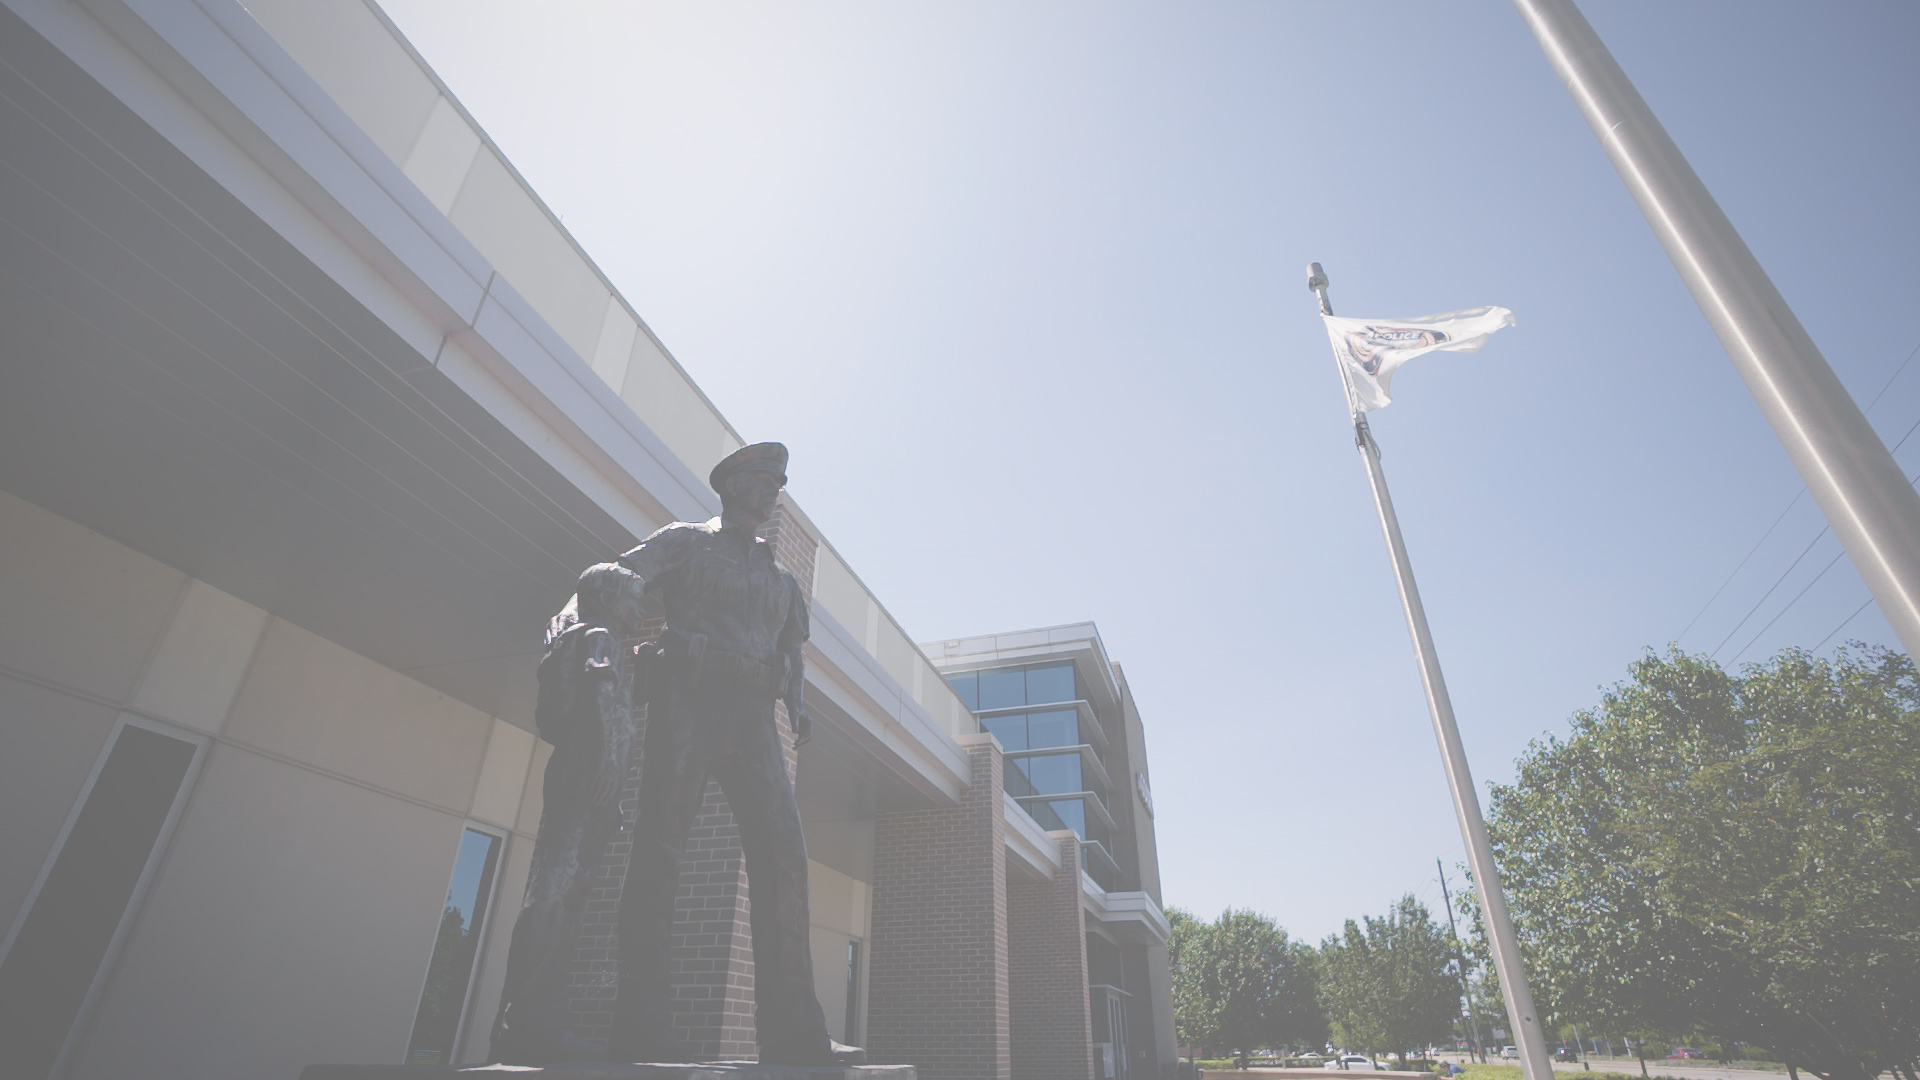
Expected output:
(1317, 281)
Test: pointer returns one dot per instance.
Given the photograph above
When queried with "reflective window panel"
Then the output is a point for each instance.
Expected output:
(450, 972)
(1050, 683)
(1056, 727)
(968, 687)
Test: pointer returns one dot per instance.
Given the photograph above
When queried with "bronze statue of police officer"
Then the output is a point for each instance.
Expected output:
(735, 624)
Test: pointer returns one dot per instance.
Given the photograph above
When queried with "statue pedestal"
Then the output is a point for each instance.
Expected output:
(718, 1070)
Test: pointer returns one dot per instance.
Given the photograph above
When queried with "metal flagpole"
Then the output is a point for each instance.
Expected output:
(1866, 499)
(1521, 1017)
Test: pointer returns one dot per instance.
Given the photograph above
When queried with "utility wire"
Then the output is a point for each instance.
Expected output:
(1844, 622)
(1796, 599)
(1889, 383)
(1915, 479)
(1795, 501)
(1791, 503)
(1763, 596)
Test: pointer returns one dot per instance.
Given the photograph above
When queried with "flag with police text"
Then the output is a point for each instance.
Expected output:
(1369, 350)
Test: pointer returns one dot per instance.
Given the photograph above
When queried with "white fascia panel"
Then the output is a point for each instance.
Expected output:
(562, 404)
(843, 672)
(1027, 841)
(248, 113)
(230, 98)
(1132, 916)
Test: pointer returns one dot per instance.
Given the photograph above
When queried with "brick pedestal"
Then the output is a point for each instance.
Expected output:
(937, 966)
(1047, 973)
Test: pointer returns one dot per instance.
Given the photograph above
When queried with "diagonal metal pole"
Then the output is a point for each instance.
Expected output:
(1521, 1017)
(1866, 499)
(1460, 961)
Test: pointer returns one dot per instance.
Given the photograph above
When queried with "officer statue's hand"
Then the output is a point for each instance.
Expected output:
(802, 723)
(606, 783)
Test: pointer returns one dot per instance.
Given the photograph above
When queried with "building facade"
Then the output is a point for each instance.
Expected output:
(312, 413)
(1073, 759)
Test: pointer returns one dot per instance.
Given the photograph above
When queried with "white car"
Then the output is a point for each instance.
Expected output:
(1510, 1052)
(1353, 1063)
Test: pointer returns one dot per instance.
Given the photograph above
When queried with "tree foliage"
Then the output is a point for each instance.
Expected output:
(1387, 983)
(1240, 983)
(1730, 854)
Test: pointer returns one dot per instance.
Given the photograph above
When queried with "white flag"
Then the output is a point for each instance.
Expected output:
(1369, 350)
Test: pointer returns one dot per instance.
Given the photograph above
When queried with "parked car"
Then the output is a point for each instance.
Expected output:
(1510, 1052)
(1354, 1063)
(1685, 1052)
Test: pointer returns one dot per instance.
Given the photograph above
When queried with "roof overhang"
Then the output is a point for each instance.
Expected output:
(1126, 916)
(239, 340)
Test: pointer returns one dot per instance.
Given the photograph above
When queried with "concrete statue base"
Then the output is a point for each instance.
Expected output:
(717, 1070)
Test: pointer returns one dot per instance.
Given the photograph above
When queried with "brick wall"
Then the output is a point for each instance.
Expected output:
(937, 961)
(792, 547)
(1047, 973)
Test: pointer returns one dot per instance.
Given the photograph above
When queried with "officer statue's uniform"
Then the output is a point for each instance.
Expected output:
(735, 624)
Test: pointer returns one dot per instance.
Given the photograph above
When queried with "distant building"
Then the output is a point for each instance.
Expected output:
(310, 414)
(1074, 758)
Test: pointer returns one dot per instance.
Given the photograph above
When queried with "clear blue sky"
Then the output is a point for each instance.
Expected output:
(1022, 287)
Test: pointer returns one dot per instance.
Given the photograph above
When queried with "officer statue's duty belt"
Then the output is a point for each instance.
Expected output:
(706, 665)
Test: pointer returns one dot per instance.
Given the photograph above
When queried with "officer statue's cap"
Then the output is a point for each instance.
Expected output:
(771, 456)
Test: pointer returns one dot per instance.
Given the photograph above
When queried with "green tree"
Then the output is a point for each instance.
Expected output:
(1196, 1017)
(1387, 983)
(1730, 854)
(1241, 983)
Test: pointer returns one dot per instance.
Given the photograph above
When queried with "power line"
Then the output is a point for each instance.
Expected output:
(1796, 599)
(1795, 501)
(1791, 503)
(1912, 480)
(1844, 622)
(1763, 596)
(1895, 375)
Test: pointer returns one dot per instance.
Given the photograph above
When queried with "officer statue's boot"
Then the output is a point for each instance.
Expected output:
(549, 1047)
(823, 1051)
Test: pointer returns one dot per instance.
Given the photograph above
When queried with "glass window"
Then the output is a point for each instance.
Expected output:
(450, 971)
(1014, 773)
(68, 930)
(968, 687)
(1051, 683)
(1010, 730)
(852, 1028)
(1071, 811)
(1054, 774)
(1060, 727)
(1046, 816)
(1003, 689)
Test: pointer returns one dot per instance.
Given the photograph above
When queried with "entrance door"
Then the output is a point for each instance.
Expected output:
(1117, 1033)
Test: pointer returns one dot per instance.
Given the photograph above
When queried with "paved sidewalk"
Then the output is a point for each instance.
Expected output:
(1655, 1069)
(1658, 1069)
